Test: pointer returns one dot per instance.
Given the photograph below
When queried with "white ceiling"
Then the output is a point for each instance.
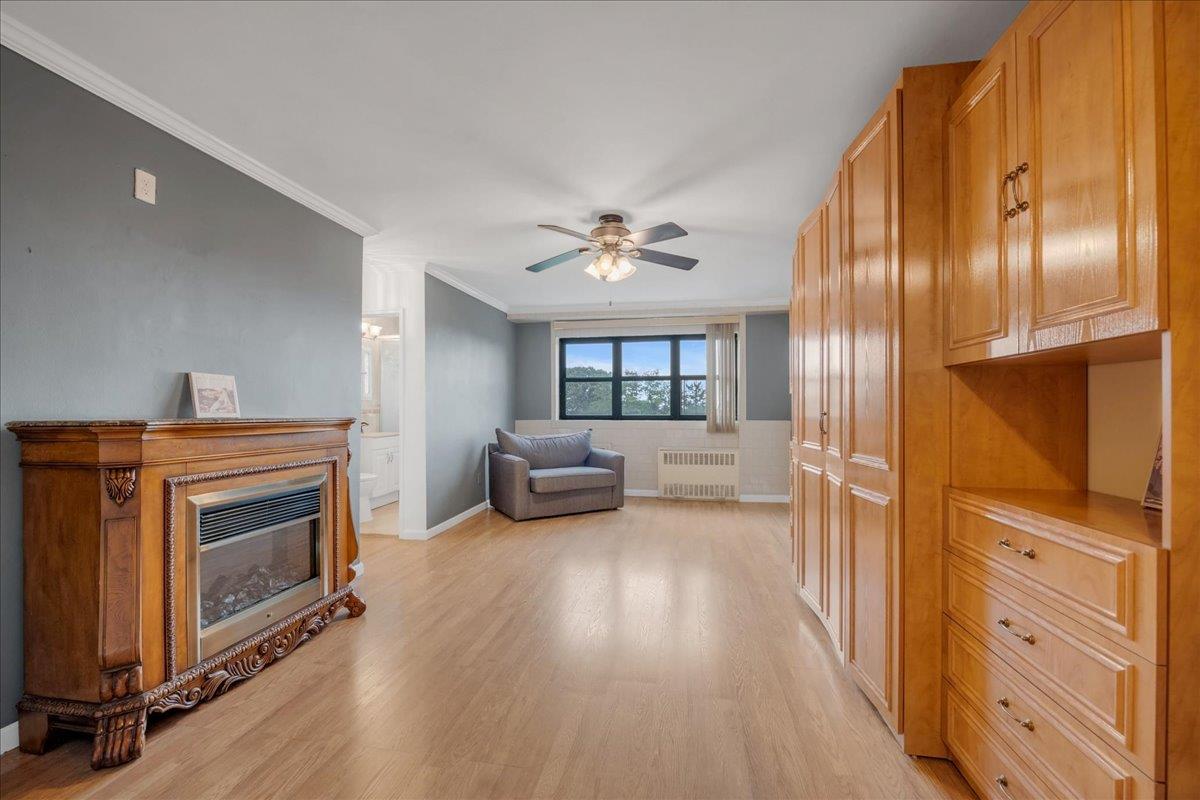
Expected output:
(454, 129)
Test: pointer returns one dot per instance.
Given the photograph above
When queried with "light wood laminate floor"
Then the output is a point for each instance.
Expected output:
(384, 520)
(657, 651)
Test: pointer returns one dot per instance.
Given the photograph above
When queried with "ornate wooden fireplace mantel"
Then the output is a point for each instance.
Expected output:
(123, 518)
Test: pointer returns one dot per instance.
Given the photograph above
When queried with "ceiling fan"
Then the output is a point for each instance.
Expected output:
(613, 246)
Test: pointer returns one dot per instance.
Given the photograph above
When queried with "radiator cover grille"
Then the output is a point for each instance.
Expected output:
(698, 474)
(238, 517)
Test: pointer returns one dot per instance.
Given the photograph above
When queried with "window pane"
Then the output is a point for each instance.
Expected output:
(693, 398)
(589, 360)
(646, 358)
(693, 358)
(588, 399)
(646, 398)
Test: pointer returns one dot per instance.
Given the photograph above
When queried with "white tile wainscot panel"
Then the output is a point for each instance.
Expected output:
(763, 445)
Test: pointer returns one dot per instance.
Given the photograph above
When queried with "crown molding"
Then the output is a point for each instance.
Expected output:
(445, 276)
(22, 39)
(677, 308)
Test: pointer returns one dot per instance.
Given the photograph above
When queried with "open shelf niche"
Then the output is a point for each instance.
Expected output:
(1070, 435)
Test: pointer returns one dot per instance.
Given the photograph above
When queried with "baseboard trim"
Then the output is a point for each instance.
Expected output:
(9, 737)
(442, 527)
(641, 493)
(764, 498)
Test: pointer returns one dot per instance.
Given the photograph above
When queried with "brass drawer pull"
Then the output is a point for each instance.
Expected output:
(1027, 724)
(1002, 782)
(1006, 623)
(1028, 552)
(1019, 204)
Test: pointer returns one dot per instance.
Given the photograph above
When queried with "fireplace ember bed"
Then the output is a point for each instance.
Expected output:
(166, 561)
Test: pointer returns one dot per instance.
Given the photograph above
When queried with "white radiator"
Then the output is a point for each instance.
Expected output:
(698, 474)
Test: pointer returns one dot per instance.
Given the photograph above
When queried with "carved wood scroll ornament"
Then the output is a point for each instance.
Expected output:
(119, 483)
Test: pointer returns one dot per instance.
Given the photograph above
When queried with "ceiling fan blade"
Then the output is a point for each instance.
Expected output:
(659, 233)
(556, 260)
(568, 232)
(666, 259)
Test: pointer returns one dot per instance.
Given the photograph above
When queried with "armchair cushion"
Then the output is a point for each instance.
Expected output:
(547, 452)
(566, 479)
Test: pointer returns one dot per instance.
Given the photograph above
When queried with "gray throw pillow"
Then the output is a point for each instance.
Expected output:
(547, 452)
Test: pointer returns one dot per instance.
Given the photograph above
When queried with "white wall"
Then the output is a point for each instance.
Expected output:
(1124, 424)
(403, 289)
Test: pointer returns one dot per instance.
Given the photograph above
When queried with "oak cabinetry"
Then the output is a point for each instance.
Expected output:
(991, 766)
(981, 240)
(866, 351)
(811, 431)
(1076, 609)
(870, 170)
(1055, 151)
(1069, 757)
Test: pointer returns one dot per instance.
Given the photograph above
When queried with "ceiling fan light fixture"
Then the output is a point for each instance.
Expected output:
(602, 267)
(624, 268)
(612, 247)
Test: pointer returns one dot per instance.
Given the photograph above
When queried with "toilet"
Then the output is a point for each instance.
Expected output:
(366, 485)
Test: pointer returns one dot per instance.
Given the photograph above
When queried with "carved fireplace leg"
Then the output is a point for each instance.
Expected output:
(355, 605)
(33, 731)
(119, 738)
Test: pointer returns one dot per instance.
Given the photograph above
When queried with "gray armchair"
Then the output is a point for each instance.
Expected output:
(545, 476)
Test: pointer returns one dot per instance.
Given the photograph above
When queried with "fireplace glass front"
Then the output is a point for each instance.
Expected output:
(255, 558)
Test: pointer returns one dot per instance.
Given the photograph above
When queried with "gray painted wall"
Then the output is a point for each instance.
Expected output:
(470, 371)
(766, 367)
(533, 370)
(106, 301)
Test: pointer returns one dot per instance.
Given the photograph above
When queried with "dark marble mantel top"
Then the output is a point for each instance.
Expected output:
(156, 423)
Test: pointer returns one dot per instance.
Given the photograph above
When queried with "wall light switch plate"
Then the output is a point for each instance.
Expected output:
(144, 186)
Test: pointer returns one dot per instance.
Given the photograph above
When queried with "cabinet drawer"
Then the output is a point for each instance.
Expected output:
(1070, 759)
(992, 768)
(1108, 583)
(1113, 692)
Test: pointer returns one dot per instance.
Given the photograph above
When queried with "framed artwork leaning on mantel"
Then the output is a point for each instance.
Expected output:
(214, 396)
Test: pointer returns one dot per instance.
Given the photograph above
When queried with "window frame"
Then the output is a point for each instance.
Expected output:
(617, 379)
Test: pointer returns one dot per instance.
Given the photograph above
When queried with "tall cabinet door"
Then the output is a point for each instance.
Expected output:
(871, 513)
(981, 269)
(834, 468)
(1090, 133)
(794, 341)
(811, 444)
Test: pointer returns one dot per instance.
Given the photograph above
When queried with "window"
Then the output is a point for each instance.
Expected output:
(633, 377)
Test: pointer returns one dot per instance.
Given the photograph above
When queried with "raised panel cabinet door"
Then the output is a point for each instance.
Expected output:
(812, 332)
(870, 203)
(1089, 129)
(812, 537)
(834, 379)
(834, 318)
(981, 270)
(392, 475)
(378, 465)
(835, 561)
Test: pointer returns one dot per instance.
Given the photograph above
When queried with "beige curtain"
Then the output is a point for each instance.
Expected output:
(722, 377)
